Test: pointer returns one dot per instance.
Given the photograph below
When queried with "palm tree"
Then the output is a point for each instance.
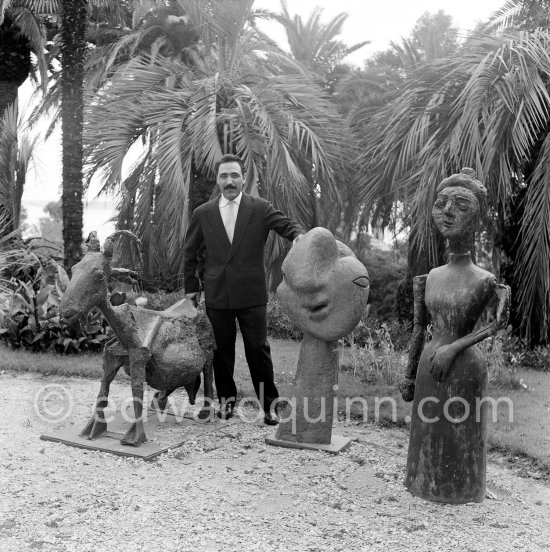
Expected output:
(231, 92)
(520, 15)
(144, 25)
(488, 108)
(316, 45)
(17, 148)
(22, 32)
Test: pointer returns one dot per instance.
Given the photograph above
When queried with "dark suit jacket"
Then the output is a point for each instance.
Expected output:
(234, 274)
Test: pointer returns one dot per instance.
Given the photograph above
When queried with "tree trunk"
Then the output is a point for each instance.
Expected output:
(73, 28)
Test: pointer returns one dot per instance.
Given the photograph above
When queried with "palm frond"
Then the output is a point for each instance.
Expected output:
(533, 268)
(33, 30)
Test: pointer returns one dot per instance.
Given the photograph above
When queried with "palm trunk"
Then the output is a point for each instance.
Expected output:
(73, 28)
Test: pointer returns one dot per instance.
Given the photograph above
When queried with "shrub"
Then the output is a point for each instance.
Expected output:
(501, 372)
(279, 324)
(518, 353)
(386, 269)
(378, 333)
(375, 360)
(29, 318)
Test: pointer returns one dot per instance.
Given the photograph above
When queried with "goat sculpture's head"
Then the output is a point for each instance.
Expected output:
(89, 285)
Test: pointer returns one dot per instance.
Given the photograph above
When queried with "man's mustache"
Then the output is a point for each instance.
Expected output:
(230, 186)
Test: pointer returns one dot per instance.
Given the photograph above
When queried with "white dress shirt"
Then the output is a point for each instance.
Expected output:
(224, 209)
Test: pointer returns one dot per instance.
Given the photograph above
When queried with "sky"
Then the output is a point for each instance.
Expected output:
(378, 21)
(384, 21)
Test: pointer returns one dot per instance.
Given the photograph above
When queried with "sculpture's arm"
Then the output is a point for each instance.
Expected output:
(406, 387)
(442, 359)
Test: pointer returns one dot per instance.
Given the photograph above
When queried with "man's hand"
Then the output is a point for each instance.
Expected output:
(194, 296)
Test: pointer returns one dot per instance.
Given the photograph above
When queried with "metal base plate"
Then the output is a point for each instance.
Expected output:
(164, 431)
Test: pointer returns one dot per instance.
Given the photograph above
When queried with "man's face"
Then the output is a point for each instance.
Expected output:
(230, 179)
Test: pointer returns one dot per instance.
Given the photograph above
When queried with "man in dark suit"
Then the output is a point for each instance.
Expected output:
(224, 247)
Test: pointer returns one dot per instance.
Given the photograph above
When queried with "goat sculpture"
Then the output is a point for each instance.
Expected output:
(167, 349)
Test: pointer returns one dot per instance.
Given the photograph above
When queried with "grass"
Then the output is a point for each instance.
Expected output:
(527, 433)
(82, 365)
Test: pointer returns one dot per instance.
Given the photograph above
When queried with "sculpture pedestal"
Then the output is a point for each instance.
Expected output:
(307, 424)
(337, 444)
(165, 431)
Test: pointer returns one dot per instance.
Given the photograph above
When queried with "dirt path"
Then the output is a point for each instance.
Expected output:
(228, 490)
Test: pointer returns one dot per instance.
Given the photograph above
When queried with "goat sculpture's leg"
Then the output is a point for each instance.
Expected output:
(139, 357)
(97, 424)
(208, 376)
(160, 399)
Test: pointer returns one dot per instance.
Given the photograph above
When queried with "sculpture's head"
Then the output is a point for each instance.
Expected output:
(325, 288)
(89, 284)
(457, 208)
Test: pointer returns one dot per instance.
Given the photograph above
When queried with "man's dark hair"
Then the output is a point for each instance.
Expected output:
(229, 158)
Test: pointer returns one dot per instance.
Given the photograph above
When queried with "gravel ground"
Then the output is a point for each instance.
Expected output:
(227, 490)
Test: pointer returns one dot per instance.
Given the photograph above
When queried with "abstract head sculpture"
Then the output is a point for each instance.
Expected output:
(325, 288)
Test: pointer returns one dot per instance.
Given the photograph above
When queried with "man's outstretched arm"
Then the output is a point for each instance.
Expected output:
(283, 225)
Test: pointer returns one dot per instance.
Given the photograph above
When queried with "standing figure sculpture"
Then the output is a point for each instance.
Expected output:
(447, 376)
(324, 291)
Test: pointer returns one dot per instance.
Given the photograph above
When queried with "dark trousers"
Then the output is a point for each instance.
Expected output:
(252, 322)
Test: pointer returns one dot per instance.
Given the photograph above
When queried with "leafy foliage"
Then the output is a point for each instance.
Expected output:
(372, 356)
(279, 324)
(29, 318)
(379, 334)
(22, 23)
(487, 108)
(17, 154)
(51, 226)
(386, 269)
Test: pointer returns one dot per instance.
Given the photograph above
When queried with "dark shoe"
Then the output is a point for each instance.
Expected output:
(271, 419)
(226, 412)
